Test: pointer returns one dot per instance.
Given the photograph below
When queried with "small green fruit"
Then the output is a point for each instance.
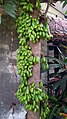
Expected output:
(41, 84)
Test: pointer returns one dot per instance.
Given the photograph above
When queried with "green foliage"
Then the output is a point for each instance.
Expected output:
(58, 109)
(53, 111)
(61, 65)
(1, 1)
(57, 86)
(61, 84)
(66, 12)
(8, 6)
(64, 3)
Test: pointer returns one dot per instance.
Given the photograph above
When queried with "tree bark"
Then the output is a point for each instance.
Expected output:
(36, 50)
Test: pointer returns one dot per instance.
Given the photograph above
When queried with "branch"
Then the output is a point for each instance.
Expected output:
(48, 5)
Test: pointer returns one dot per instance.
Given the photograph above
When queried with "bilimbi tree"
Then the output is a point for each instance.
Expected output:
(30, 30)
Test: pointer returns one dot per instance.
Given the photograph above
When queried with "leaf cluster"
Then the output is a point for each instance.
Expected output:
(9, 7)
(57, 85)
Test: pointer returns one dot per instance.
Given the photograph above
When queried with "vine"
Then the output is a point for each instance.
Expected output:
(30, 30)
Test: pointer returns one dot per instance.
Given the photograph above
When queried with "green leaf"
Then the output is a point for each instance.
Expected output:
(9, 6)
(52, 112)
(65, 3)
(1, 1)
(12, 1)
(55, 59)
(10, 13)
(10, 10)
(66, 12)
(55, 66)
(56, 85)
(61, 54)
(63, 83)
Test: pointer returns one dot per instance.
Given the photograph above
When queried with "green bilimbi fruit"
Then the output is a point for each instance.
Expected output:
(35, 110)
(34, 103)
(37, 107)
(27, 90)
(25, 102)
(44, 115)
(41, 84)
(31, 90)
(46, 66)
(40, 90)
(36, 99)
(33, 84)
(44, 59)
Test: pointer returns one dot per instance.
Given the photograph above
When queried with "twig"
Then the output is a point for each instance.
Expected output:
(48, 5)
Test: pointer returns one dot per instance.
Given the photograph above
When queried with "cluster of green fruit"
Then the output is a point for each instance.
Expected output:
(30, 96)
(30, 29)
(33, 30)
(28, 6)
(25, 61)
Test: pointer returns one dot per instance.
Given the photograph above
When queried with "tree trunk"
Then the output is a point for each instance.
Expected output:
(36, 50)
